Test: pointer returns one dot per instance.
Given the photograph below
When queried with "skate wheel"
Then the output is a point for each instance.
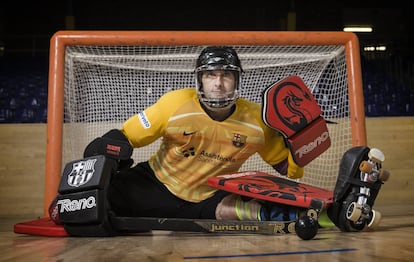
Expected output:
(354, 212)
(376, 155)
(366, 166)
(384, 175)
(376, 219)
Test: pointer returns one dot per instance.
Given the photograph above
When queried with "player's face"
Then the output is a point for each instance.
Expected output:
(218, 83)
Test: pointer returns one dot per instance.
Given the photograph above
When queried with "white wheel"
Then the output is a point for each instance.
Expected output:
(375, 220)
(354, 212)
(376, 155)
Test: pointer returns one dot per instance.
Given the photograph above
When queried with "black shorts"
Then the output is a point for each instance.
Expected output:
(137, 192)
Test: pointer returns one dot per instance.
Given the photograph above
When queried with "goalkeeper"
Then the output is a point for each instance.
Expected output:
(206, 131)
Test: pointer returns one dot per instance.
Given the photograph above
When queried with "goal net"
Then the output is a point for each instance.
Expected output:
(99, 79)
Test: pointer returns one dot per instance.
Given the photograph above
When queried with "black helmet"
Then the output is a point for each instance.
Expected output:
(218, 58)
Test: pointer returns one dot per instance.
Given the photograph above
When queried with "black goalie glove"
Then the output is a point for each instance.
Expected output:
(114, 145)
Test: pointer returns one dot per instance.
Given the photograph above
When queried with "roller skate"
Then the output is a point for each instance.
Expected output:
(359, 181)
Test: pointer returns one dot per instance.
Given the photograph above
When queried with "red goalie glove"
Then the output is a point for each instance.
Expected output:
(290, 108)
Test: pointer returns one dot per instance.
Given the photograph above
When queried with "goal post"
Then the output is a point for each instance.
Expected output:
(97, 79)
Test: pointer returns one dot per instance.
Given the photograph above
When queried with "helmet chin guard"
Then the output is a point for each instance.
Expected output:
(217, 103)
(218, 58)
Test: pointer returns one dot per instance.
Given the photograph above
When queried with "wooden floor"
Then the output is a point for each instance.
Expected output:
(393, 241)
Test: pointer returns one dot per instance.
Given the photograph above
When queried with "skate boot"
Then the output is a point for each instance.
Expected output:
(359, 180)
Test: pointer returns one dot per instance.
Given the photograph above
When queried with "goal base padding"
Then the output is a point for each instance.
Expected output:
(40, 227)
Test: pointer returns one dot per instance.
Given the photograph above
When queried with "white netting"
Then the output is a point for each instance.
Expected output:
(105, 85)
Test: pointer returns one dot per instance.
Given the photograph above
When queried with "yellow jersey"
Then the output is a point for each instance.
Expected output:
(195, 147)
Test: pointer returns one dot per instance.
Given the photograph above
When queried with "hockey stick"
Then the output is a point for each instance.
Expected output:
(144, 224)
(305, 227)
(131, 225)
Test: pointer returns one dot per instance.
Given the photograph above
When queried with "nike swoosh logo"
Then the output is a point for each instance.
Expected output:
(189, 133)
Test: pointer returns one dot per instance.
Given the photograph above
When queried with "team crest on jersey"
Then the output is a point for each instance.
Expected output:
(81, 173)
(239, 140)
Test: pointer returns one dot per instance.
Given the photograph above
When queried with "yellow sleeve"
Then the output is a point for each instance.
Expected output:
(294, 171)
(147, 126)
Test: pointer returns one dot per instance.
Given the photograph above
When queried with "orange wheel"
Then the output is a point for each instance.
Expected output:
(366, 166)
